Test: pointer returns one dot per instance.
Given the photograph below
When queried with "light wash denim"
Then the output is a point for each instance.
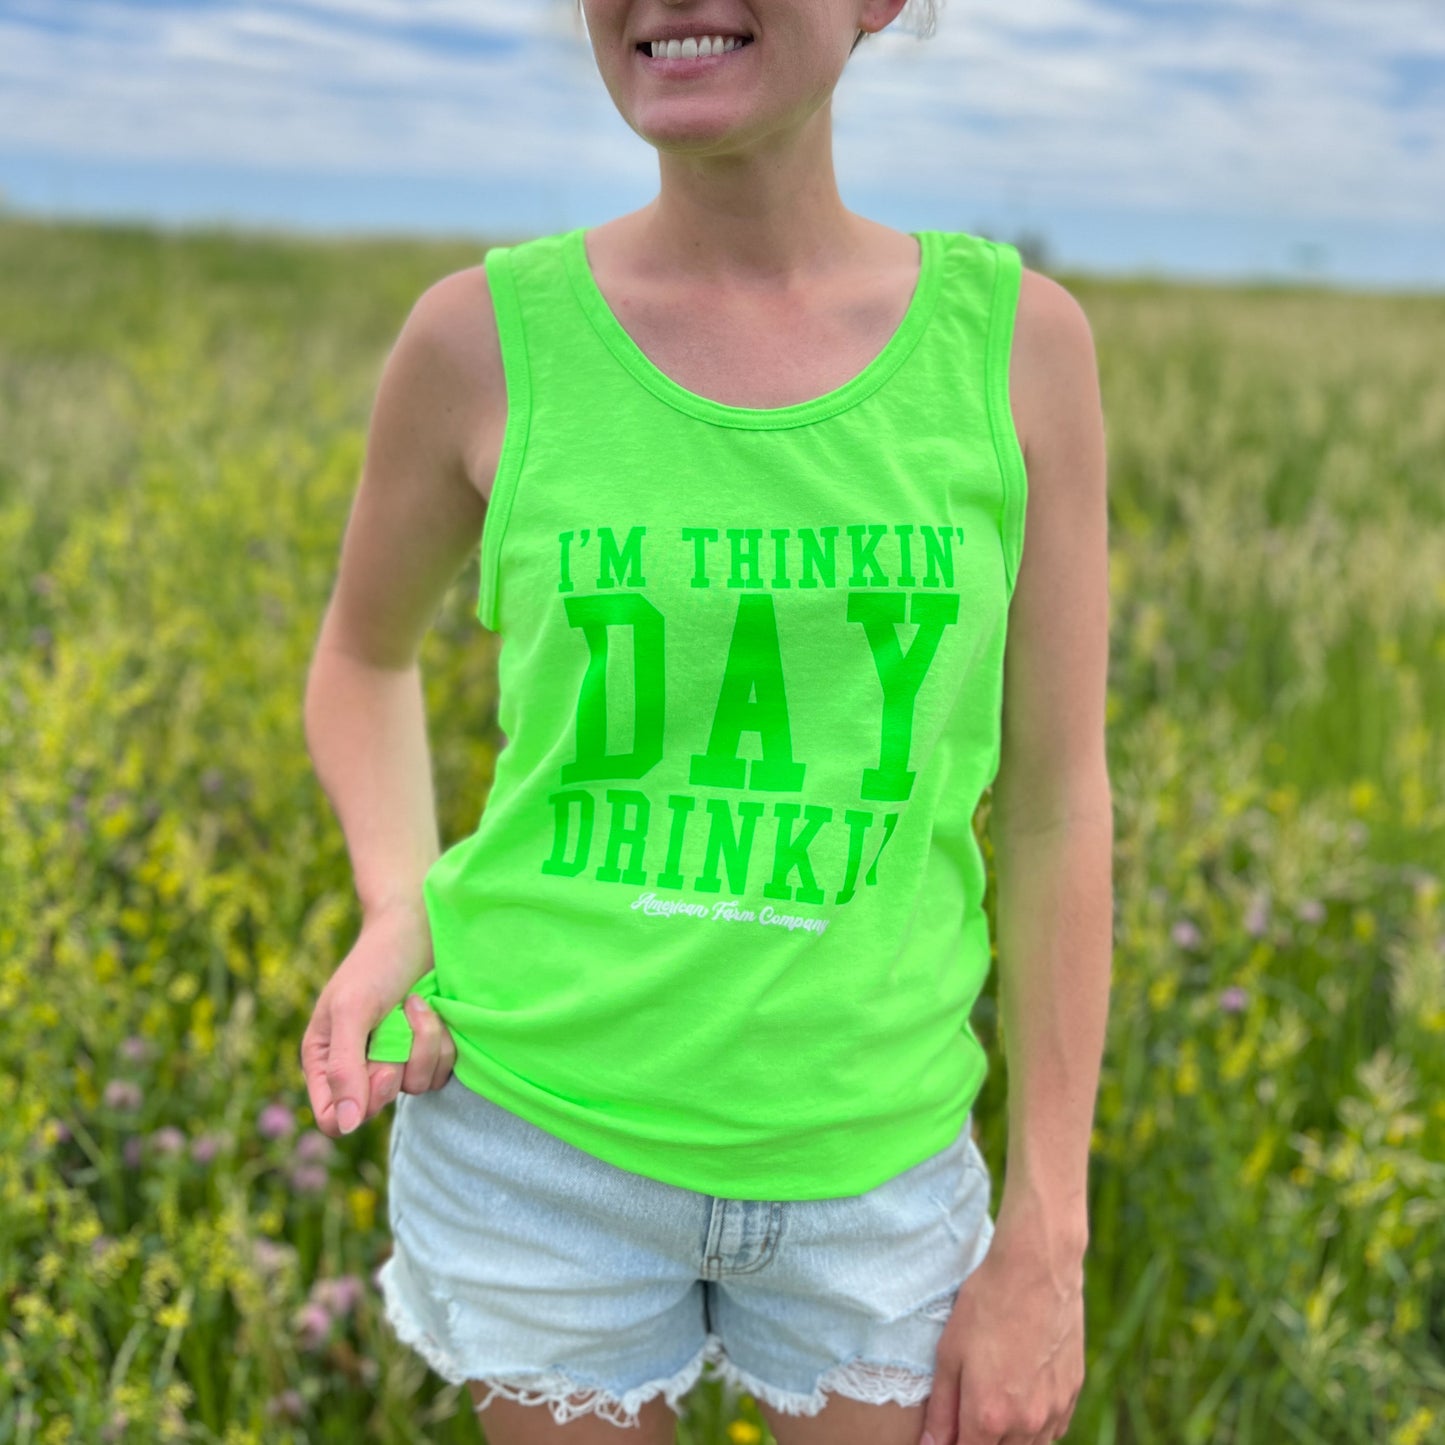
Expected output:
(558, 1279)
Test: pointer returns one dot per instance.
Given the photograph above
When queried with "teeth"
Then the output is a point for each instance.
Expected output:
(694, 46)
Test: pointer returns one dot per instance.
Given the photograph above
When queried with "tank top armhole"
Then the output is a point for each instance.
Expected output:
(512, 340)
(1013, 473)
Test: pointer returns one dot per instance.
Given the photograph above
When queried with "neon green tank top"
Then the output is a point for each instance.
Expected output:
(721, 921)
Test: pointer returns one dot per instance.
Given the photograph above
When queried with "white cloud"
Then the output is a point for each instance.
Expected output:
(1074, 100)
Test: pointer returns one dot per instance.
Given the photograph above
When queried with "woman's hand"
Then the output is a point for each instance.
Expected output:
(1011, 1360)
(392, 951)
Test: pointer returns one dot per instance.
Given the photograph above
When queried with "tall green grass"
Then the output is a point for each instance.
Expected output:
(187, 1259)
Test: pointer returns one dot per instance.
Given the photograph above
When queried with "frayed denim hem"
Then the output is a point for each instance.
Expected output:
(871, 1382)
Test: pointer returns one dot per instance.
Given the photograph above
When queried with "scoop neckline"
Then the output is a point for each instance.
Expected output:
(895, 350)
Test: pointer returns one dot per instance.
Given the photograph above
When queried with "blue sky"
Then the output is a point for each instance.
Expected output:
(1294, 139)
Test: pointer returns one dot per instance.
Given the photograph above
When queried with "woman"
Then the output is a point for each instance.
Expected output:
(685, 1072)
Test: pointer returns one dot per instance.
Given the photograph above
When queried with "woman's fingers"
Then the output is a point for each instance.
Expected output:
(422, 1062)
(385, 1084)
(446, 1055)
(338, 1077)
(438, 1045)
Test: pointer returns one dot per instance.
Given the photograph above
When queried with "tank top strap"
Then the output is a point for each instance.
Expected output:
(557, 371)
(1007, 282)
(960, 368)
(512, 339)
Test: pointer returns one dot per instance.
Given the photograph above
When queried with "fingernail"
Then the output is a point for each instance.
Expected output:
(348, 1115)
(927, 1440)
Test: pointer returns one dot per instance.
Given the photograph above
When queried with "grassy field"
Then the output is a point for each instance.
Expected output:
(186, 1258)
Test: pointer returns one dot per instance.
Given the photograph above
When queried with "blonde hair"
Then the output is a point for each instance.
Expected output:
(918, 18)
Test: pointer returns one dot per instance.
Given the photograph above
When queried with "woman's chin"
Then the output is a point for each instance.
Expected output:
(684, 126)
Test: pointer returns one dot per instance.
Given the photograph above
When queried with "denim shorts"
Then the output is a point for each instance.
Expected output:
(558, 1279)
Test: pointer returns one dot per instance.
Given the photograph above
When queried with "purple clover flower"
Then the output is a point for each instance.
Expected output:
(270, 1255)
(168, 1140)
(276, 1121)
(205, 1147)
(288, 1405)
(338, 1296)
(123, 1094)
(312, 1323)
(1186, 935)
(309, 1178)
(313, 1147)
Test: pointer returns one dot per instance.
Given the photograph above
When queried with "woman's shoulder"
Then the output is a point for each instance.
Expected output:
(456, 375)
(1048, 305)
(457, 317)
(453, 316)
(1053, 361)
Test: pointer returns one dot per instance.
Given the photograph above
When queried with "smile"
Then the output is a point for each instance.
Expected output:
(685, 65)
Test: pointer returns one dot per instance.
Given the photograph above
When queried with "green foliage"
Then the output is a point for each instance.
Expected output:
(186, 1259)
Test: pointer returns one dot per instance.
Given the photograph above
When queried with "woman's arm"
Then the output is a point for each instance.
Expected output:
(1051, 817)
(416, 518)
(1011, 1361)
